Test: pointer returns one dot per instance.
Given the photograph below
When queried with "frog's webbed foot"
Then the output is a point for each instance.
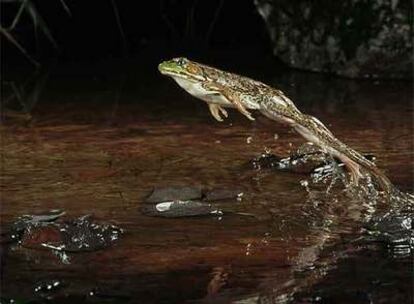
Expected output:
(215, 110)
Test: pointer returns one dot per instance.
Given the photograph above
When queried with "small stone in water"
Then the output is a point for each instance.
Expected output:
(177, 208)
(222, 194)
(174, 193)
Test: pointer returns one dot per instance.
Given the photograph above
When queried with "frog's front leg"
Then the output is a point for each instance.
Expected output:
(215, 110)
(230, 96)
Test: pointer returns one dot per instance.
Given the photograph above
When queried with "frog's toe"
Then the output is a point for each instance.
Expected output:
(223, 111)
(214, 110)
(239, 106)
(249, 116)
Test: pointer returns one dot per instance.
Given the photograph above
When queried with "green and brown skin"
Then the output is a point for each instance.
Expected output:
(220, 90)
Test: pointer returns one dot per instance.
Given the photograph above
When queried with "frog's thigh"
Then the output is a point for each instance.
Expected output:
(270, 113)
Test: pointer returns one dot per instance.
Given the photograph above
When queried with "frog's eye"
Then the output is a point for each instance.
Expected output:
(182, 61)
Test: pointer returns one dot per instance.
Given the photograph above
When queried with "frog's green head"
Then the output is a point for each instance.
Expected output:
(182, 68)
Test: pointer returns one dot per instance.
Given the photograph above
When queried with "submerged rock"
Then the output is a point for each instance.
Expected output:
(178, 208)
(165, 194)
(351, 38)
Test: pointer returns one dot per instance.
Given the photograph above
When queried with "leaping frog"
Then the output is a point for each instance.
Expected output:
(221, 90)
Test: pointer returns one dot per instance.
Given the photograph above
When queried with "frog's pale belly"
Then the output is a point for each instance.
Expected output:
(197, 90)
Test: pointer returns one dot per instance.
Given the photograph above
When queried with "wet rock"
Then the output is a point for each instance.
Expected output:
(307, 159)
(306, 163)
(265, 161)
(174, 193)
(78, 235)
(222, 194)
(299, 163)
(36, 219)
(35, 237)
(17, 229)
(328, 168)
(52, 216)
(396, 230)
(178, 208)
(351, 38)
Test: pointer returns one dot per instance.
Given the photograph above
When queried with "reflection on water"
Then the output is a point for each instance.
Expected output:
(99, 140)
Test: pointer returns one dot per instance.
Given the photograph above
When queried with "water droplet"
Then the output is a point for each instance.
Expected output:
(240, 196)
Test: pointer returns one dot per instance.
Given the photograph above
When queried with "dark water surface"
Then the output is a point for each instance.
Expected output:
(101, 138)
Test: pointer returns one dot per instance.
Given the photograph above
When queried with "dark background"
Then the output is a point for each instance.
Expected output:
(154, 30)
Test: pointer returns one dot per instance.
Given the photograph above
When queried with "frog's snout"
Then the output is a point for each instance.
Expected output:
(161, 66)
(165, 67)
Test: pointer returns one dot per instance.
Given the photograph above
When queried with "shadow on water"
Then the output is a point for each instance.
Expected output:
(96, 140)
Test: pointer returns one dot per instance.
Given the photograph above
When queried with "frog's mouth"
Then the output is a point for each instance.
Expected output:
(170, 68)
(172, 72)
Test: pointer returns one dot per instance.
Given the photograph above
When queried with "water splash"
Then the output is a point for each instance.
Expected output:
(337, 208)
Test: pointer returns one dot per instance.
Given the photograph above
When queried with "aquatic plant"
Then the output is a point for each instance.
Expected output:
(187, 31)
(27, 7)
(39, 25)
